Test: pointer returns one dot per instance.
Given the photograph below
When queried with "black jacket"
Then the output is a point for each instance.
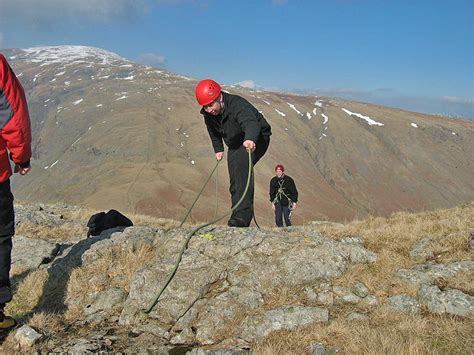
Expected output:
(238, 122)
(289, 189)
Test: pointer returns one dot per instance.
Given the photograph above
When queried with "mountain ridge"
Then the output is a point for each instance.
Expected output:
(110, 133)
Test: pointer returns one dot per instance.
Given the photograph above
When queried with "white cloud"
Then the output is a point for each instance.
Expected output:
(458, 100)
(48, 13)
(151, 59)
(250, 84)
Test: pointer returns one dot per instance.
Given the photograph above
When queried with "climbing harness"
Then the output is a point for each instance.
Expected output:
(188, 237)
(281, 191)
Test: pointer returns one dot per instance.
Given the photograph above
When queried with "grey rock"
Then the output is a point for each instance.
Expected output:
(325, 286)
(83, 346)
(359, 289)
(326, 298)
(29, 253)
(445, 270)
(254, 262)
(27, 336)
(356, 252)
(95, 318)
(106, 300)
(448, 301)
(186, 322)
(186, 336)
(257, 327)
(38, 216)
(404, 303)
(370, 300)
(351, 240)
(221, 310)
(310, 294)
(218, 281)
(154, 329)
(350, 298)
(317, 349)
(50, 217)
(313, 234)
(422, 250)
(415, 277)
(429, 273)
(339, 290)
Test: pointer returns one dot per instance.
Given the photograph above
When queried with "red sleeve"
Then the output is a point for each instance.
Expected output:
(15, 127)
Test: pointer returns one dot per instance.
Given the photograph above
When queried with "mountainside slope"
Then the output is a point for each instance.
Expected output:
(109, 133)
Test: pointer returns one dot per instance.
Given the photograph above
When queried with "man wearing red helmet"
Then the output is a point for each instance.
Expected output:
(234, 120)
(283, 196)
(15, 137)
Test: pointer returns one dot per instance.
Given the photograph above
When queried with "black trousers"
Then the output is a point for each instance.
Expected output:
(282, 211)
(7, 230)
(238, 165)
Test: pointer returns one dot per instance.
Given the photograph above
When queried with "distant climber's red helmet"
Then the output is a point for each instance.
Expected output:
(279, 166)
(207, 91)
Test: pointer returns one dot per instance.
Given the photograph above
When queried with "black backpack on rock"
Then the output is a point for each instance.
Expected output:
(101, 221)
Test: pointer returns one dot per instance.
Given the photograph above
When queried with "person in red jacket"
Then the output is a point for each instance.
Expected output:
(15, 144)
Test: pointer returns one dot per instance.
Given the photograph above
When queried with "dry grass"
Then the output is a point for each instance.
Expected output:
(283, 296)
(115, 268)
(386, 333)
(63, 232)
(49, 323)
(392, 239)
(148, 221)
(28, 293)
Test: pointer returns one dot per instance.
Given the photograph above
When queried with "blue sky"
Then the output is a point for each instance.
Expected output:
(416, 54)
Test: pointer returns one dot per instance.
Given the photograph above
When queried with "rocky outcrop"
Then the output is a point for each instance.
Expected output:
(229, 276)
(227, 291)
(449, 301)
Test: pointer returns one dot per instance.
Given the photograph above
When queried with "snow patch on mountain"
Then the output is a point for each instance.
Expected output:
(370, 121)
(70, 55)
(294, 108)
(280, 113)
(326, 118)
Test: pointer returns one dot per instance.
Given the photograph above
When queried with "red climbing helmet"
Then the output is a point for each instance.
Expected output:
(279, 166)
(207, 91)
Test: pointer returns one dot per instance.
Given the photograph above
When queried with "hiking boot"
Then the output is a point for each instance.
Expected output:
(6, 323)
(237, 222)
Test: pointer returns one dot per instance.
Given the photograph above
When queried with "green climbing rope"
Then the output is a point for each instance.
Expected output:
(188, 237)
(199, 194)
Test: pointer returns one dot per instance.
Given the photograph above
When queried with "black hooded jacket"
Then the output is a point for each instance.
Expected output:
(239, 121)
(289, 190)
